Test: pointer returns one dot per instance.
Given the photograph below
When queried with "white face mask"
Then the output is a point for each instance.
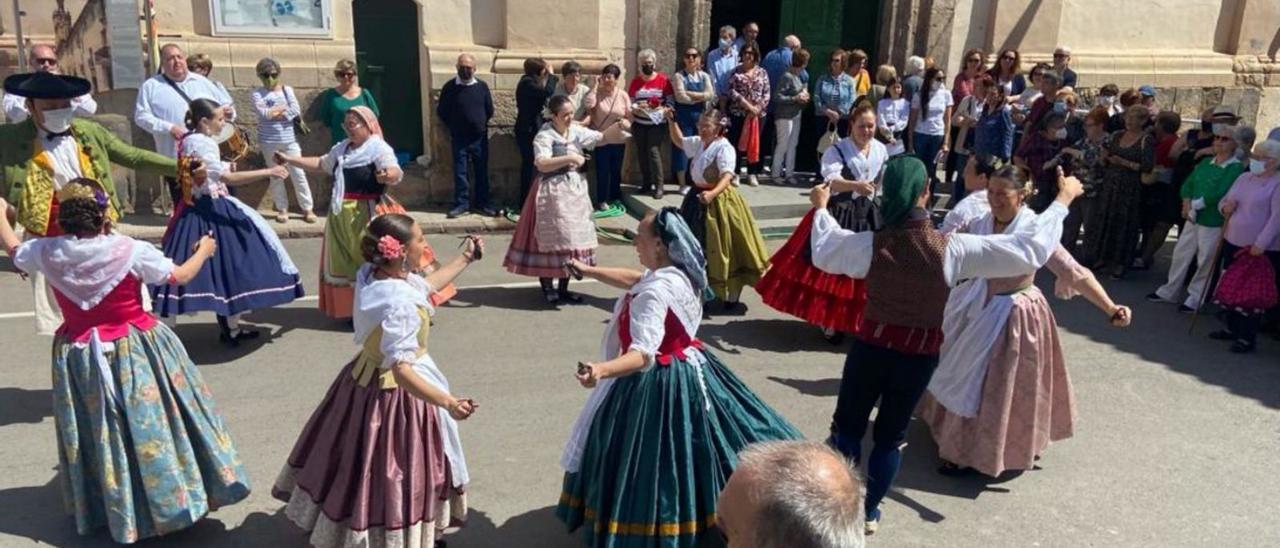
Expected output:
(58, 120)
(936, 86)
(726, 42)
(1106, 101)
(1060, 134)
(1257, 166)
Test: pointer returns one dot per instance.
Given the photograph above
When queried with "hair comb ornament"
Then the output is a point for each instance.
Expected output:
(74, 191)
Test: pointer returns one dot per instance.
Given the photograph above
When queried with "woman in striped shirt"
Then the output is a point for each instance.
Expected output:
(277, 108)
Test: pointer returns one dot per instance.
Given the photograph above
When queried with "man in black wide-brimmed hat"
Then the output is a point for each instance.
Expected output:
(43, 152)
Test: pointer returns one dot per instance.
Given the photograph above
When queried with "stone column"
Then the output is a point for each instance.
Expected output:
(695, 22)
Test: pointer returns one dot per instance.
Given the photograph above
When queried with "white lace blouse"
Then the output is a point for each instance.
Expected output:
(392, 304)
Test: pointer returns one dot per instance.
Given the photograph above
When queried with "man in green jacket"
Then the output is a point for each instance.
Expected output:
(40, 154)
(44, 152)
(1198, 239)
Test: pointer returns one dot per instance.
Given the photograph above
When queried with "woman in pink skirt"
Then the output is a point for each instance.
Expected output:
(555, 223)
(380, 462)
(1001, 392)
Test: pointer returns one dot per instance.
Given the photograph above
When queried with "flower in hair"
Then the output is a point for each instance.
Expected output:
(390, 248)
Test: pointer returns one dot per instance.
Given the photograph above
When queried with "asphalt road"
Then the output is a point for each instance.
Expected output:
(1176, 442)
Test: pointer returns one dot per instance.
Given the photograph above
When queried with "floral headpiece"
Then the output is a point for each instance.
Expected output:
(390, 248)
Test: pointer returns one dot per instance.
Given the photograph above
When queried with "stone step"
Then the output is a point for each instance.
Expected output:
(767, 201)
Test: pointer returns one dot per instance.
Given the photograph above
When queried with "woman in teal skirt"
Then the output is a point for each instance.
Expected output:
(660, 432)
(142, 450)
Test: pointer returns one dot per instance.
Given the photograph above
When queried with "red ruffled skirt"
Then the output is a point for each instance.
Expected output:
(793, 285)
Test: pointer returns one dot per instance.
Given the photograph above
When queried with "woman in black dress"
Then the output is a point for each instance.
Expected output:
(1114, 223)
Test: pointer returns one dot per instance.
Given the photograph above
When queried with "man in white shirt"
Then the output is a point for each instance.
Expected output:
(44, 59)
(162, 102)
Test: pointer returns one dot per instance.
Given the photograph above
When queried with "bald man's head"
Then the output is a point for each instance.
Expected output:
(43, 58)
(792, 494)
(466, 66)
(792, 42)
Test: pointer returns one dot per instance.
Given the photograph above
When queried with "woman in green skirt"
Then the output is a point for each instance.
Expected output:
(659, 435)
(363, 166)
(718, 216)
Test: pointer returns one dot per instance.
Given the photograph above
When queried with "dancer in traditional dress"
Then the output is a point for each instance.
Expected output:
(362, 166)
(852, 168)
(555, 222)
(660, 432)
(909, 268)
(39, 154)
(380, 462)
(1001, 392)
(716, 214)
(142, 449)
(251, 270)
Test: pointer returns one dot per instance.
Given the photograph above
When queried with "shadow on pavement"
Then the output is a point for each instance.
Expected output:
(19, 405)
(204, 348)
(291, 318)
(1159, 334)
(523, 298)
(36, 513)
(778, 335)
(920, 472)
(536, 528)
(821, 387)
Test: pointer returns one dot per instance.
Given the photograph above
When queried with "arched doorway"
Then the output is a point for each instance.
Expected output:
(387, 49)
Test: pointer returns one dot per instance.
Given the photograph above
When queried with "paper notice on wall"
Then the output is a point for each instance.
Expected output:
(280, 14)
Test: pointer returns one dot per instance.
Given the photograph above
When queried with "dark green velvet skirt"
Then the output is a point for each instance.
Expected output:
(658, 455)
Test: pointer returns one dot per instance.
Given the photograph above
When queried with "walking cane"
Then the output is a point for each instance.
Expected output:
(1204, 293)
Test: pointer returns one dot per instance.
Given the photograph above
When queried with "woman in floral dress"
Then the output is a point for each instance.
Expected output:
(142, 450)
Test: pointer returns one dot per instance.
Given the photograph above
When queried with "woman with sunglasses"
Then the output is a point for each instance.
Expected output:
(1007, 72)
(337, 100)
(930, 133)
(963, 86)
(694, 93)
(278, 108)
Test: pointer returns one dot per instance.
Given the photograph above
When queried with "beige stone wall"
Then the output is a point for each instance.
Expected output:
(37, 28)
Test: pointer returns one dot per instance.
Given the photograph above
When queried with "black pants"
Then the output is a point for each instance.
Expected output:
(1245, 325)
(650, 142)
(736, 125)
(175, 191)
(876, 374)
(525, 144)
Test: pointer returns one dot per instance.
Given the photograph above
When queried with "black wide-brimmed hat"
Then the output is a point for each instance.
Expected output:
(44, 85)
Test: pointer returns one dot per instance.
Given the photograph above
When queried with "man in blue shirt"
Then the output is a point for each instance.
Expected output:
(779, 60)
(722, 61)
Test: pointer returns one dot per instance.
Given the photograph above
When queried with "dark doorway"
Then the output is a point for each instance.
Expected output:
(387, 46)
(738, 13)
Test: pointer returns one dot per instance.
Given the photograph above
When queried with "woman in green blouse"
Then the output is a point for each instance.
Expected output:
(337, 100)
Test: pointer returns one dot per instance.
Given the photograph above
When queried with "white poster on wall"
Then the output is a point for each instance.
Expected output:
(308, 18)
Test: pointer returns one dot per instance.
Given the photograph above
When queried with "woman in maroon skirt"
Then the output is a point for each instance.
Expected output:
(555, 223)
(380, 462)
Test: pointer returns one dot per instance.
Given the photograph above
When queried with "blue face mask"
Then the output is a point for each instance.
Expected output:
(726, 42)
(1060, 107)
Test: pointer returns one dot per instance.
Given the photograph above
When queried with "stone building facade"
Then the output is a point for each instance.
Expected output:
(1196, 52)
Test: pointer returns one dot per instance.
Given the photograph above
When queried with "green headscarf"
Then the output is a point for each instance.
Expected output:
(904, 181)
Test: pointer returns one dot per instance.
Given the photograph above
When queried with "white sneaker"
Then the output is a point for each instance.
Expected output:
(683, 190)
(752, 181)
(735, 181)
